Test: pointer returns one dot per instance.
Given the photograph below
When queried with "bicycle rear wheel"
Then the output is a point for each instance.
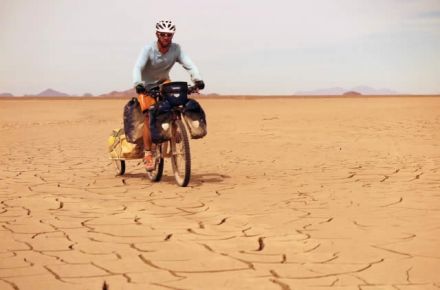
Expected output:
(180, 154)
(119, 166)
(156, 174)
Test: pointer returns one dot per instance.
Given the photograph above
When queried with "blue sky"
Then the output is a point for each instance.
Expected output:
(240, 47)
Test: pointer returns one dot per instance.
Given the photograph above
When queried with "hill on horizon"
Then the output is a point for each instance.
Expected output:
(364, 90)
(118, 94)
(51, 93)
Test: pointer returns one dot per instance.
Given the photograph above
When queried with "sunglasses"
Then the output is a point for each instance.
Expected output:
(163, 34)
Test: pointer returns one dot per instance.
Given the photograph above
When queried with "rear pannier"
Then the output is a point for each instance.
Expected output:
(195, 119)
(119, 147)
(133, 121)
(160, 122)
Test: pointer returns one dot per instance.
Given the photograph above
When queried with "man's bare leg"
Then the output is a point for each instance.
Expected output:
(146, 134)
(148, 158)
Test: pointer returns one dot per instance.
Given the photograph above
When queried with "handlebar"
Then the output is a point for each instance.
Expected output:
(193, 89)
(154, 91)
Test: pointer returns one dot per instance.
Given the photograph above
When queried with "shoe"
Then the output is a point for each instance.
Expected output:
(149, 161)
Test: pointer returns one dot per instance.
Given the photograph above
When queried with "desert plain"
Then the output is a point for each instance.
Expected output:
(286, 193)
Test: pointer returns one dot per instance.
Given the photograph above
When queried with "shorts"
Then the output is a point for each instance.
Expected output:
(145, 101)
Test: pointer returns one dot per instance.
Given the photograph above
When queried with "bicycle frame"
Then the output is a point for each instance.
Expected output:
(177, 115)
(177, 148)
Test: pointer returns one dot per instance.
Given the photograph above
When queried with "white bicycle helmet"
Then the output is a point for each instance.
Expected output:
(166, 26)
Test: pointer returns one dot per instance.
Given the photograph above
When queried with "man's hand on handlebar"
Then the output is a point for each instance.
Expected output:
(140, 88)
(154, 91)
(199, 84)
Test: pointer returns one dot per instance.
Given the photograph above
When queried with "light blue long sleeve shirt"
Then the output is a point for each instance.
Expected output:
(152, 66)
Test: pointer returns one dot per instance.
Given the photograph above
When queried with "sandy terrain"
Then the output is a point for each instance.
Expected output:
(316, 193)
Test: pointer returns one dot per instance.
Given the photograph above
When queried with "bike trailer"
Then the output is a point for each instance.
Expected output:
(160, 122)
(195, 119)
(120, 148)
(176, 93)
(133, 121)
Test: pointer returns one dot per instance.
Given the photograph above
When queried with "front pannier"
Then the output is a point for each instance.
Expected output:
(195, 119)
(133, 121)
(160, 122)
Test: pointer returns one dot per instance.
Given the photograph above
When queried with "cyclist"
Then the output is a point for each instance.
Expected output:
(152, 67)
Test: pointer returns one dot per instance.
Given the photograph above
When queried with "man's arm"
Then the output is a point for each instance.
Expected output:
(187, 64)
(140, 64)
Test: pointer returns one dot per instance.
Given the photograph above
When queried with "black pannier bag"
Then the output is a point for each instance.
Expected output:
(176, 93)
(160, 122)
(195, 119)
(133, 121)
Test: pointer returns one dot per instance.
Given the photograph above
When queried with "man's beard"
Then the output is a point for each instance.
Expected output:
(162, 45)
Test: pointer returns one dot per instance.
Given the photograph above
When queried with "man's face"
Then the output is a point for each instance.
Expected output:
(164, 38)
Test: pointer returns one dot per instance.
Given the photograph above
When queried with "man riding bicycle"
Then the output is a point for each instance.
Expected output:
(152, 67)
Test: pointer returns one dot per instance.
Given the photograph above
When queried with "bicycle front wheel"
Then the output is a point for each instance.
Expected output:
(156, 174)
(180, 154)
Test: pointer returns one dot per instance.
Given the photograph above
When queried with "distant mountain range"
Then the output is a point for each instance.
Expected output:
(45, 93)
(54, 93)
(364, 90)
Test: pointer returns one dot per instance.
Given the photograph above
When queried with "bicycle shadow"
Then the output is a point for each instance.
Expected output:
(198, 179)
(134, 175)
(209, 178)
(195, 181)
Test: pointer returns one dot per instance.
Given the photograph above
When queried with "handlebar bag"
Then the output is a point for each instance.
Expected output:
(160, 122)
(176, 93)
(195, 119)
(133, 121)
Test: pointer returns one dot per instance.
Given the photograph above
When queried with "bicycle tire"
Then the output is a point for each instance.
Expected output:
(119, 167)
(180, 154)
(156, 174)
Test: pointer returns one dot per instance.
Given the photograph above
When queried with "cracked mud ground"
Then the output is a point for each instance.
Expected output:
(285, 194)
